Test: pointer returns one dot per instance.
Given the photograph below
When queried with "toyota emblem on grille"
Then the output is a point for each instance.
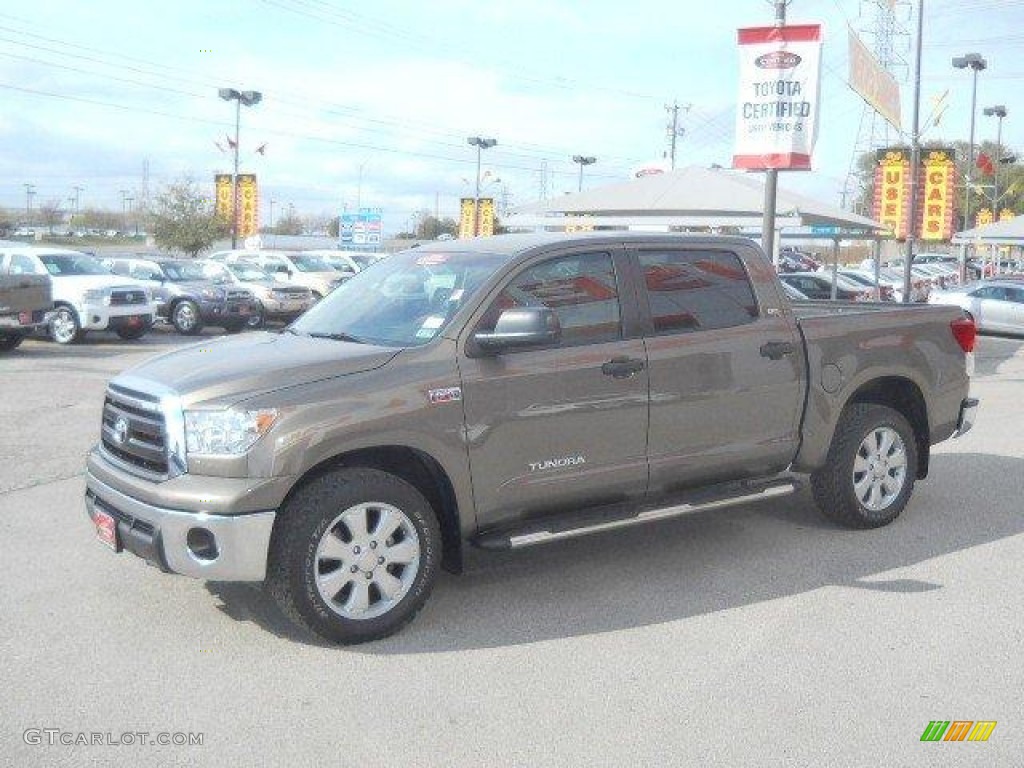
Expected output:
(121, 430)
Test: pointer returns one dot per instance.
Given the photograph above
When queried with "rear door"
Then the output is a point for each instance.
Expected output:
(726, 373)
(560, 427)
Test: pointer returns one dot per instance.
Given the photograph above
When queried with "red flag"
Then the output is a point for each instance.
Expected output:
(984, 164)
(231, 143)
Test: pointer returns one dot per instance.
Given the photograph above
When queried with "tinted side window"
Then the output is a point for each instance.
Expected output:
(582, 290)
(22, 265)
(697, 290)
(1015, 295)
(991, 292)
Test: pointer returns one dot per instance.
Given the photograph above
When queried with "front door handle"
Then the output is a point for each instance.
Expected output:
(622, 367)
(776, 350)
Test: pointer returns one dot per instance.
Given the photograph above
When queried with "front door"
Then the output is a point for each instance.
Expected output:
(561, 427)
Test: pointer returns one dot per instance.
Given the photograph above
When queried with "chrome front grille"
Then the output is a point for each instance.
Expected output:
(239, 296)
(290, 293)
(134, 430)
(120, 298)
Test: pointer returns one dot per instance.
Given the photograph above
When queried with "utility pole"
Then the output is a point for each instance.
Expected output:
(915, 157)
(674, 131)
(30, 191)
(78, 193)
(771, 181)
(124, 204)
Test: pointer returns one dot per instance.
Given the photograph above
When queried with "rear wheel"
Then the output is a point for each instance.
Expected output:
(9, 341)
(186, 318)
(354, 555)
(869, 474)
(64, 326)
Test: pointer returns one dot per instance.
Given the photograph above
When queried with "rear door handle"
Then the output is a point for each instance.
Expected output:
(776, 350)
(622, 367)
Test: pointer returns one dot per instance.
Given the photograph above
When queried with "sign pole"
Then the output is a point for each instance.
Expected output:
(915, 157)
(771, 181)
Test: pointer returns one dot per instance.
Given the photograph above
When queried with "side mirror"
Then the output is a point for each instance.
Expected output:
(521, 328)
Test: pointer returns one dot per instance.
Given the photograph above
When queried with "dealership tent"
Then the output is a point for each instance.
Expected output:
(691, 197)
(1008, 232)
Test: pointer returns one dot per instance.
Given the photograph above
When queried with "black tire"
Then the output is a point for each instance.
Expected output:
(186, 318)
(9, 341)
(256, 320)
(304, 522)
(835, 485)
(64, 326)
(131, 334)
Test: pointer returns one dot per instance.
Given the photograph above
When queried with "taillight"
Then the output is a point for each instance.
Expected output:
(965, 332)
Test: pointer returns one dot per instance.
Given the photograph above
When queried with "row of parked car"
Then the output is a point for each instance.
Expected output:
(129, 293)
(929, 272)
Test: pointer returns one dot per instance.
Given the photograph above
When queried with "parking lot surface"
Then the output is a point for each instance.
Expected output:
(759, 635)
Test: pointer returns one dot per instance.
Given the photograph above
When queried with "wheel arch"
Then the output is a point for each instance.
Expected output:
(416, 467)
(905, 397)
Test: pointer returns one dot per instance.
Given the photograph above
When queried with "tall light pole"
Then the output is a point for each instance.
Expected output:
(249, 99)
(481, 144)
(977, 64)
(771, 175)
(1000, 112)
(78, 193)
(582, 160)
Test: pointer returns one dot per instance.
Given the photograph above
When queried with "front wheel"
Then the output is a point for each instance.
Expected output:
(256, 320)
(354, 555)
(186, 318)
(870, 470)
(64, 326)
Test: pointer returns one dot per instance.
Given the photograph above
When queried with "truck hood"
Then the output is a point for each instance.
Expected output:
(72, 286)
(243, 366)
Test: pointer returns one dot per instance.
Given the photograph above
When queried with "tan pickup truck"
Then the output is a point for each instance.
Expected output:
(511, 391)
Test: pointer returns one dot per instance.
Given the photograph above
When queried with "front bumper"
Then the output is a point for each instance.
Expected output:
(25, 322)
(179, 542)
(226, 313)
(100, 317)
(968, 411)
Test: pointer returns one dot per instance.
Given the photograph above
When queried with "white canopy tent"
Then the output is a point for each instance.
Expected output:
(689, 197)
(995, 236)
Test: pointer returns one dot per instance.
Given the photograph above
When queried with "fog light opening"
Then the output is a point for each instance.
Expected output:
(202, 544)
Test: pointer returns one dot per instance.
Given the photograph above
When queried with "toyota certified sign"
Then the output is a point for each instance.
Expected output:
(777, 110)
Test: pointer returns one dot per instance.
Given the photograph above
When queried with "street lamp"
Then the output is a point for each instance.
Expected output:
(481, 144)
(582, 160)
(976, 62)
(1000, 112)
(249, 99)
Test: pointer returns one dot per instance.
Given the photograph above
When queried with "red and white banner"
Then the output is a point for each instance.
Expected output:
(777, 109)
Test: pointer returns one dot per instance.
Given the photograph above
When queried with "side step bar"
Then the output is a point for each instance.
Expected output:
(543, 532)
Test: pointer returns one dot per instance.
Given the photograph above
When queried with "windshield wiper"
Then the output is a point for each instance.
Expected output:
(338, 337)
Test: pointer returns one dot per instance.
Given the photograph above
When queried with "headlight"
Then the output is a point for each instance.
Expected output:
(214, 294)
(226, 433)
(93, 296)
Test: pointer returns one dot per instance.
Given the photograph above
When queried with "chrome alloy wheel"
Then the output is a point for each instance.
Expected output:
(63, 327)
(185, 317)
(367, 560)
(880, 468)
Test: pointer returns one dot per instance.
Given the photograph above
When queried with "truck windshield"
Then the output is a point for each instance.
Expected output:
(180, 271)
(60, 264)
(308, 262)
(403, 301)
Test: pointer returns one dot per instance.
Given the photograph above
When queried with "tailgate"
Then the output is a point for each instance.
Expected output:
(24, 293)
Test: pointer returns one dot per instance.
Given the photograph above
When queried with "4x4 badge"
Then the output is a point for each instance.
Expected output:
(446, 395)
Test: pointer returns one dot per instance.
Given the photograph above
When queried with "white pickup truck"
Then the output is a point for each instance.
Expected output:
(86, 296)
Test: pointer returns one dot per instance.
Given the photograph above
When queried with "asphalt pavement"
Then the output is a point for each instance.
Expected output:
(760, 635)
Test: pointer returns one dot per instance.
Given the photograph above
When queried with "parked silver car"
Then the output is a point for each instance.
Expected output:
(995, 305)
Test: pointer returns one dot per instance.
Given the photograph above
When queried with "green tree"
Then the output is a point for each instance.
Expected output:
(6, 222)
(184, 219)
(429, 226)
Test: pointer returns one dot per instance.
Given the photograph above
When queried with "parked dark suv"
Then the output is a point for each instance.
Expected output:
(186, 296)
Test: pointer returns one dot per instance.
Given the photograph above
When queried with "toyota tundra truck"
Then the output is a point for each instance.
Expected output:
(512, 391)
(25, 301)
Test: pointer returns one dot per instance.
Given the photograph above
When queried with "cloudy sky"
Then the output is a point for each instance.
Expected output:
(387, 93)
